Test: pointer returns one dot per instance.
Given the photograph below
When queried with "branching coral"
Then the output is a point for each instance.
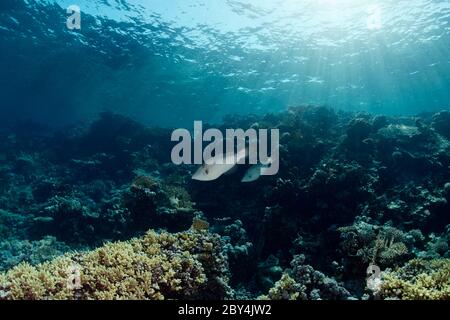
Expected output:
(418, 280)
(384, 245)
(389, 246)
(305, 283)
(286, 289)
(185, 265)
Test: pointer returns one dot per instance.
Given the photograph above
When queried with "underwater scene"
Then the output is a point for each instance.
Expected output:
(224, 150)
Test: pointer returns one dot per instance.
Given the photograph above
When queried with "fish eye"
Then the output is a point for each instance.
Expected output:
(207, 171)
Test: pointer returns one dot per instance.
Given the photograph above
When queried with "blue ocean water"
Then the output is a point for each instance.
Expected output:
(170, 62)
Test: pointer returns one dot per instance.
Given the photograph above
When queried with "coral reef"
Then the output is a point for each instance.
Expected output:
(354, 189)
(14, 252)
(417, 280)
(302, 282)
(383, 245)
(187, 265)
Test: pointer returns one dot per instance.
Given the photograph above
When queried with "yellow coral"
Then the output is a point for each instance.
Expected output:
(285, 289)
(156, 266)
(418, 280)
(199, 224)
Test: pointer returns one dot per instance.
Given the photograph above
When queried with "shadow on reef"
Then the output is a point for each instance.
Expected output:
(353, 190)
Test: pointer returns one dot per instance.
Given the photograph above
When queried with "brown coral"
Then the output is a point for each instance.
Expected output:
(418, 280)
(144, 182)
(185, 265)
(286, 289)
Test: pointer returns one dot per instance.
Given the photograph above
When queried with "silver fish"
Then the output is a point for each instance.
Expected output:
(254, 172)
(210, 172)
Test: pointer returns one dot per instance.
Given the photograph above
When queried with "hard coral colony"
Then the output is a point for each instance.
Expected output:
(353, 190)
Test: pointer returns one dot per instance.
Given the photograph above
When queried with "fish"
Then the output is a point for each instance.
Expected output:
(210, 172)
(255, 171)
(252, 174)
